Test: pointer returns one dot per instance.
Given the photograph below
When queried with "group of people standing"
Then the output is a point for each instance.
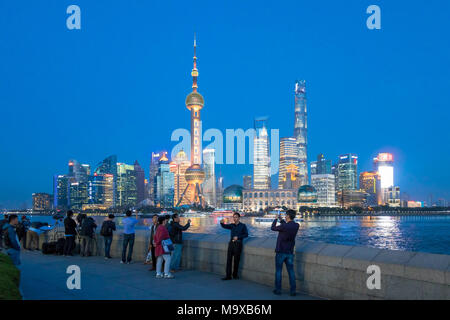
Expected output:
(165, 243)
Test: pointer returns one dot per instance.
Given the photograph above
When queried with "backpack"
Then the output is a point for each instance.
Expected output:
(21, 230)
(87, 228)
(106, 229)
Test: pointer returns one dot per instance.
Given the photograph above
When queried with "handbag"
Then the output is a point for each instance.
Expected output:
(167, 245)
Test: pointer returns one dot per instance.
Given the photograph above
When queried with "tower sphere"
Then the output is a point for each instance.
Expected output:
(194, 174)
(194, 99)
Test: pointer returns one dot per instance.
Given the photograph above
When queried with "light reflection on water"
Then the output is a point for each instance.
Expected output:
(411, 233)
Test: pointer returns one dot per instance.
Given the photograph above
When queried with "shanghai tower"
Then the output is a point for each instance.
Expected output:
(300, 130)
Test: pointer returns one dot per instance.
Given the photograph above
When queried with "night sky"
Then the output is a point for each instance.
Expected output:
(118, 85)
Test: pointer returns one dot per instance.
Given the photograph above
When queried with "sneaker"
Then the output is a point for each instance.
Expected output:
(129, 262)
(121, 261)
(226, 278)
(159, 276)
(168, 276)
(278, 293)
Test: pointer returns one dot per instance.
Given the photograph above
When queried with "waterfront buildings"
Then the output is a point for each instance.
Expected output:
(42, 201)
(325, 187)
(300, 129)
(78, 194)
(346, 172)
(288, 158)
(126, 191)
(369, 181)
(384, 165)
(209, 185)
(259, 199)
(219, 192)
(178, 167)
(101, 190)
(164, 184)
(140, 183)
(247, 180)
(61, 191)
(392, 196)
(351, 198)
(321, 166)
(153, 171)
(261, 158)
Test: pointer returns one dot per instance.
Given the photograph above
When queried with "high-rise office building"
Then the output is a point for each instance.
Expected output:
(347, 172)
(126, 190)
(61, 191)
(209, 185)
(78, 194)
(140, 182)
(79, 171)
(300, 130)
(247, 182)
(101, 189)
(326, 191)
(369, 181)
(384, 166)
(42, 201)
(393, 196)
(178, 167)
(261, 158)
(195, 175)
(351, 198)
(321, 166)
(109, 166)
(219, 192)
(288, 157)
(164, 184)
(154, 164)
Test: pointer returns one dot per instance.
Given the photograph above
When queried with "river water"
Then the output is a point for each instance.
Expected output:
(407, 233)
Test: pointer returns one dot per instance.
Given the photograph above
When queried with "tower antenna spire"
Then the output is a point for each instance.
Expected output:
(194, 69)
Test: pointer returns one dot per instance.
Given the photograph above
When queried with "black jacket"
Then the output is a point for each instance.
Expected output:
(70, 226)
(237, 230)
(176, 232)
(108, 227)
(87, 227)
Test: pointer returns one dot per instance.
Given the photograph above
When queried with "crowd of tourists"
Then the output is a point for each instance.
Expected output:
(165, 241)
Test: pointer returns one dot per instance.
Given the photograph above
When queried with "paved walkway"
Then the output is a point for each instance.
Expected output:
(44, 277)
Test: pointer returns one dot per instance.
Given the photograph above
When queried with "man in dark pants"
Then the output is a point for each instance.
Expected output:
(70, 232)
(287, 231)
(128, 236)
(238, 234)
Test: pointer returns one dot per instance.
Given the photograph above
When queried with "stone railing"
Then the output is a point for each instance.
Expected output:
(324, 270)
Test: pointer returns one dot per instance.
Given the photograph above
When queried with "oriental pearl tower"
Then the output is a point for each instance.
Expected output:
(194, 175)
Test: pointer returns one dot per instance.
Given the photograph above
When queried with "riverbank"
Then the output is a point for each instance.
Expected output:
(9, 279)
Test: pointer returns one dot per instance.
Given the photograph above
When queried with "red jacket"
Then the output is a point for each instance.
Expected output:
(161, 234)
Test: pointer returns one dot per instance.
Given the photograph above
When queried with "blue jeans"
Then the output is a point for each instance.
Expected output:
(176, 256)
(14, 255)
(289, 260)
(128, 241)
(108, 241)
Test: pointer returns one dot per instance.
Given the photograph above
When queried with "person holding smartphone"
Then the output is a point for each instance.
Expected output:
(238, 233)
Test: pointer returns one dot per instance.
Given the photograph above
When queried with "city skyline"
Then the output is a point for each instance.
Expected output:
(64, 111)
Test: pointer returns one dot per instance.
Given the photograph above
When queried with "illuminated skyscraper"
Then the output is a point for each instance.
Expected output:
(109, 166)
(154, 164)
(370, 182)
(291, 178)
(61, 191)
(209, 185)
(101, 189)
(164, 184)
(194, 174)
(300, 129)
(384, 166)
(126, 193)
(78, 194)
(326, 192)
(42, 201)
(261, 158)
(219, 192)
(288, 156)
(347, 172)
(178, 167)
(79, 171)
(321, 166)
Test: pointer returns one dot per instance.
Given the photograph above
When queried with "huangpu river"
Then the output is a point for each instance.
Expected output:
(429, 233)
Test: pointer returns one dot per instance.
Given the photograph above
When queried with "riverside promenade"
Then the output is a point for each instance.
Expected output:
(44, 278)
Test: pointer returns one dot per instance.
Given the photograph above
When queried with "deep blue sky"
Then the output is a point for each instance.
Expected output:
(118, 85)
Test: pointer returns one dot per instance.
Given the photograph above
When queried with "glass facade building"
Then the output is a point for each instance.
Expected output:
(301, 129)
(261, 158)
(164, 184)
(347, 170)
(209, 185)
(325, 187)
(126, 191)
(288, 157)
